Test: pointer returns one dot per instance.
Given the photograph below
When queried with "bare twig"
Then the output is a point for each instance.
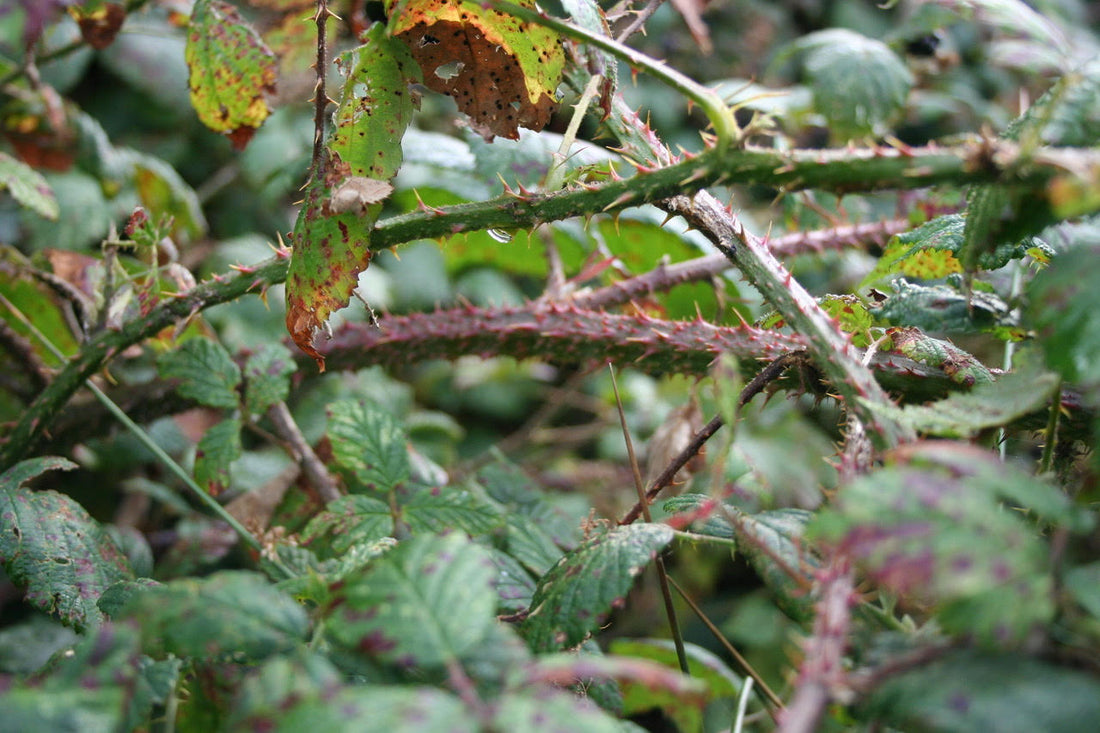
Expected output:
(755, 386)
(743, 663)
(640, 17)
(658, 560)
(312, 466)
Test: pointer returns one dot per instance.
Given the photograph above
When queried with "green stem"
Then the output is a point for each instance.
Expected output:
(1051, 432)
(717, 111)
(834, 170)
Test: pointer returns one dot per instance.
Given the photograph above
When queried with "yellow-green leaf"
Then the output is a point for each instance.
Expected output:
(232, 70)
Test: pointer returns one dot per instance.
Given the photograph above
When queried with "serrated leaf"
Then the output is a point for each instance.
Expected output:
(426, 602)
(501, 71)
(206, 372)
(514, 585)
(969, 691)
(772, 542)
(230, 611)
(912, 526)
(531, 545)
(351, 520)
(24, 471)
(266, 378)
(368, 443)
(50, 546)
(858, 83)
(1063, 302)
(574, 596)
(551, 709)
(231, 71)
(28, 187)
(219, 447)
(941, 308)
(988, 405)
(332, 241)
(444, 509)
(959, 366)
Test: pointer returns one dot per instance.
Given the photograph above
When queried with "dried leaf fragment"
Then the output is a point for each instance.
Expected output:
(501, 71)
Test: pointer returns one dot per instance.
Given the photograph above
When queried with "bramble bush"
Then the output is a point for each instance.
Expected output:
(751, 388)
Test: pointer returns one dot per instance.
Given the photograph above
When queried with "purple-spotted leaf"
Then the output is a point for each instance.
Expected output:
(548, 708)
(231, 71)
(332, 235)
(369, 445)
(913, 526)
(50, 546)
(574, 596)
(501, 71)
(229, 611)
(427, 601)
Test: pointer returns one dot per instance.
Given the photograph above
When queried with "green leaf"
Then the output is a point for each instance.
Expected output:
(230, 611)
(332, 234)
(368, 443)
(219, 447)
(858, 83)
(231, 71)
(164, 192)
(1083, 583)
(645, 684)
(92, 687)
(772, 542)
(266, 378)
(529, 543)
(351, 520)
(551, 709)
(705, 666)
(514, 585)
(206, 372)
(988, 405)
(941, 308)
(959, 366)
(459, 45)
(1063, 302)
(375, 107)
(574, 596)
(913, 527)
(444, 509)
(427, 601)
(28, 187)
(50, 546)
(968, 691)
(24, 471)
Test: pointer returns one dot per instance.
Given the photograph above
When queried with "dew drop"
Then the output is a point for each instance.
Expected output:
(500, 235)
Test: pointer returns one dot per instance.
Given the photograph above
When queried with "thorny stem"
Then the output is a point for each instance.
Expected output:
(714, 107)
(822, 676)
(658, 560)
(320, 96)
(1051, 432)
(838, 170)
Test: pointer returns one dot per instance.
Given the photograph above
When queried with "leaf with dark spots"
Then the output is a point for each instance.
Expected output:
(427, 601)
(99, 23)
(572, 598)
(251, 617)
(50, 546)
(913, 527)
(501, 71)
(231, 71)
(331, 237)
